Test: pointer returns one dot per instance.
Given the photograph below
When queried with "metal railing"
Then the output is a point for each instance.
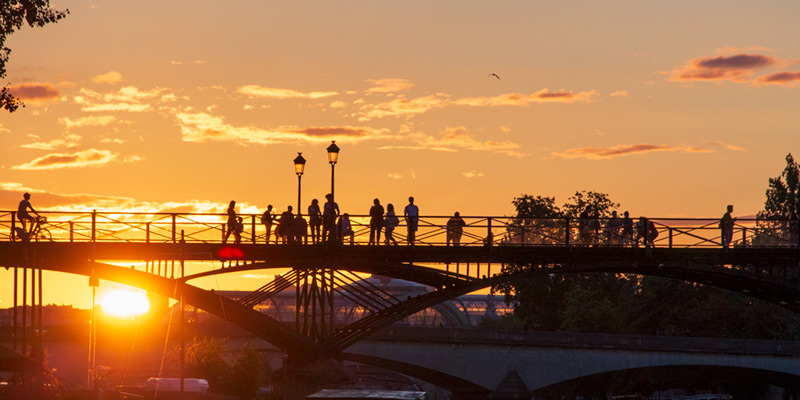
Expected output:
(432, 230)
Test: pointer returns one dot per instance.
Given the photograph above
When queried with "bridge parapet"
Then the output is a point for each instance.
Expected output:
(111, 226)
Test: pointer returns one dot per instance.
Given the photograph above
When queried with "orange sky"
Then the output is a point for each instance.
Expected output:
(672, 108)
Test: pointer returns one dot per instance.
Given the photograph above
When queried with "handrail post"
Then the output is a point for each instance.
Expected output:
(147, 233)
(94, 225)
(13, 233)
(744, 236)
(567, 232)
(489, 237)
(253, 226)
(71, 231)
(670, 236)
(173, 228)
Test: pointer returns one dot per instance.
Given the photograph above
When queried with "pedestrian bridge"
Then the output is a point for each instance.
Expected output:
(476, 363)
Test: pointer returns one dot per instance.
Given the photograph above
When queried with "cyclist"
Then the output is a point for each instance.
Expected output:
(22, 212)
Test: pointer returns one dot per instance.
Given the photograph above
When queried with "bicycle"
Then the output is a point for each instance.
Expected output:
(37, 233)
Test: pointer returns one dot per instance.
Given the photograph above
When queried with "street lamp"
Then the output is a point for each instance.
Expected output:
(299, 167)
(333, 156)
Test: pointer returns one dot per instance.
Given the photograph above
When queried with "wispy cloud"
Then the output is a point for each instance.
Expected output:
(34, 91)
(600, 153)
(726, 146)
(81, 159)
(784, 78)
(68, 141)
(203, 127)
(735, 68)
(453, 139)
(109, 78)
(619, 93)
(273, 93)
(404, 107)
(473, 174)
(92, 120)
(389, 85)
(128, 98)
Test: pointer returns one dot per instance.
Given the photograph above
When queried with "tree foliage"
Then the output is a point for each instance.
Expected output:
(783, 193)
(13, 15)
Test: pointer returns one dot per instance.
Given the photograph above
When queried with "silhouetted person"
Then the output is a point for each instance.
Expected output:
(267, 219)
(627, 229)
(231, 221)
(612, 229)
(390, 221)
(345, 228)
(22, 212)
(647, 231)
(455, 228)
(285, 225)
(411, 214)
(300, 229)
(585, 226)
(315, 221)
(726, 225)
(375, 222)
(330, 211)
(237, 232)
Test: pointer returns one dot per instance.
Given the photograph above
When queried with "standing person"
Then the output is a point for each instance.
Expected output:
(300, 229)
(329, 213)
(390, 222)
(22, 212)
(267, 219)
(612, 229)
(411, 214)
(285, 229)
(375, 222)
(455, 228)
(231, 221)
(315, 221)
(627, 229)
(585, 226)
(726, 225)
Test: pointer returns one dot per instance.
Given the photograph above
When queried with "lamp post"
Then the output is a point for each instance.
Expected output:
(299, 167)
(333, 156)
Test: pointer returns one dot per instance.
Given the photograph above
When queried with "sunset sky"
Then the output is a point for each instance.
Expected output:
(673, 108)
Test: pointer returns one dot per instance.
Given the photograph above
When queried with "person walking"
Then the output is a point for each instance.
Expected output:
(390, 221)
(726, 225)
(375, 222)
(232, 221)
(315, 221)
(411, 214)
(455, 228)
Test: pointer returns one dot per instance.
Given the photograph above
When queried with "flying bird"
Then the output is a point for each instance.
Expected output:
(495, 75)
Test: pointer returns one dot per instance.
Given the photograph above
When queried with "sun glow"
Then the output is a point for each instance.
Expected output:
(125, 303)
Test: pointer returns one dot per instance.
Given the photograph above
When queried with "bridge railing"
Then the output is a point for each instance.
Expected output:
(432, 230)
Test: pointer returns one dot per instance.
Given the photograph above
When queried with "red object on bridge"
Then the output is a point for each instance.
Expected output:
(230, 252)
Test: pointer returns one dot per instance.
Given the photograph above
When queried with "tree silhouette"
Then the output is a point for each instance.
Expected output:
(13, 14)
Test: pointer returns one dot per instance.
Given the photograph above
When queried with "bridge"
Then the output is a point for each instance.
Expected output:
(763, 262)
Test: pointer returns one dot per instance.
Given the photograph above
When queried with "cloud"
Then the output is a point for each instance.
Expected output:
(473, 174)
(389, 85)
(35, 91)
(599, 153)
(519, 99)
(409, 107)
(337, 104)
(734, 68)
(619, 93)
(109, 78)
(68, 141)
(85, 158)
(727, 146)
(453, 139)
(203, 127)
(395, 176)
(784, 78)
(128, 98)
(93, 120)
(273, 93)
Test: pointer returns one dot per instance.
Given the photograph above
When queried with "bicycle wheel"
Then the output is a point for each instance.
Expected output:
(44, 236)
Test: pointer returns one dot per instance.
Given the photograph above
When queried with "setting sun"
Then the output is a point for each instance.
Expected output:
(125, 303)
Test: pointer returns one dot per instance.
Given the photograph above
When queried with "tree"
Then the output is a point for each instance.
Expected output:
(13, 14)
(782, 203)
